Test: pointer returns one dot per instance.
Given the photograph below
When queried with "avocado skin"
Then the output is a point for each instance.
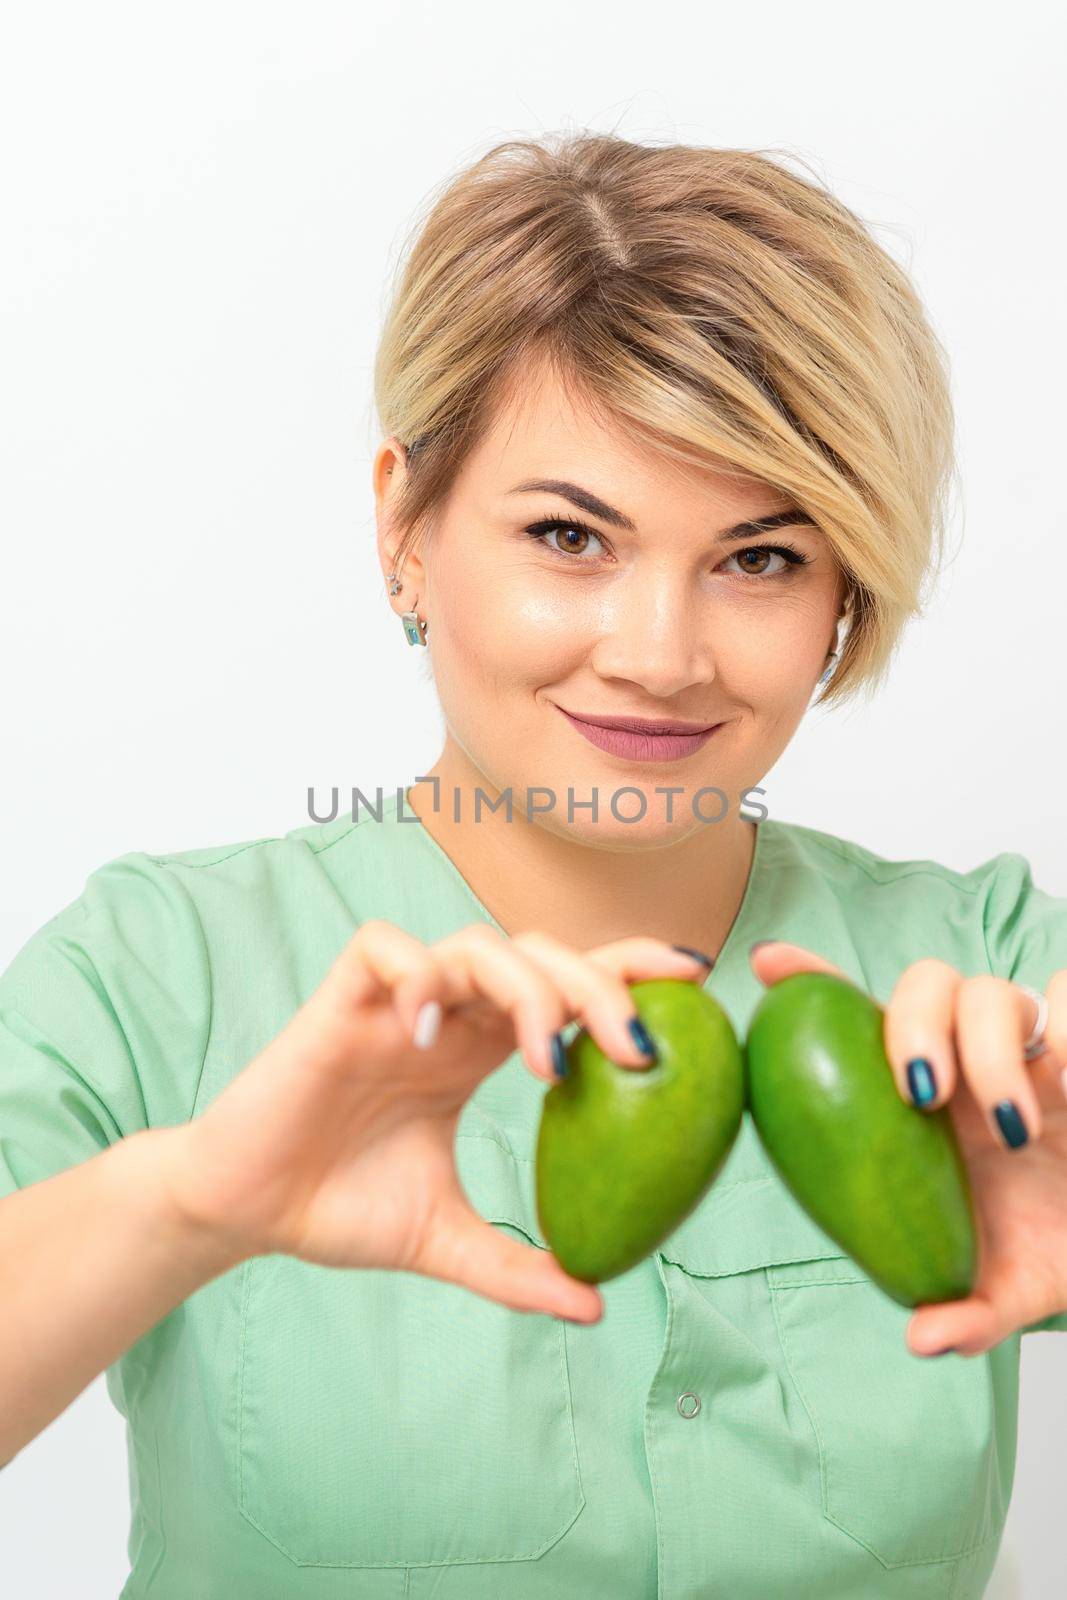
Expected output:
(624, 1154)
(882, 1178)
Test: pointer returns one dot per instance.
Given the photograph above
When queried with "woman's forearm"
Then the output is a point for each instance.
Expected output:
(90, 1260)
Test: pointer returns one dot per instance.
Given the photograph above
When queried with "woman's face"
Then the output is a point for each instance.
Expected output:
(670, 616)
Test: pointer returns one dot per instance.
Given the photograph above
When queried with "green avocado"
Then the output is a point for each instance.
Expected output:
(625, 1153)
(884, 1179)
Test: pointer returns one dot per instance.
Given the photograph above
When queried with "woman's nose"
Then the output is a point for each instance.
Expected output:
(655, 634)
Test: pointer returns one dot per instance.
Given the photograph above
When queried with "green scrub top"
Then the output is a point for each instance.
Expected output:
(744, 1421)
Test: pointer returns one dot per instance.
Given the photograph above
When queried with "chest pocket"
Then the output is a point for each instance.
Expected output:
(388, 1419)
(900, 1451)
(907, 1444)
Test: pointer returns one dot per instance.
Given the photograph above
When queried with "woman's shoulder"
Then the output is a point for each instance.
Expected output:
(315, 878)
(842, 857)
(986, 916)
(146, 891)
(307, 839)
(233, 861)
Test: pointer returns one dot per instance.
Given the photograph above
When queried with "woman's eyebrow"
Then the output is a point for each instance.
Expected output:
(596, 507)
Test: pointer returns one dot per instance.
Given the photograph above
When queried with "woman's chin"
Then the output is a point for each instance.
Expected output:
(652, 831)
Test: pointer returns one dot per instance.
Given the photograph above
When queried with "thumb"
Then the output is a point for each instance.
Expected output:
(970, 1327)
(465, 1249)
(772, 959)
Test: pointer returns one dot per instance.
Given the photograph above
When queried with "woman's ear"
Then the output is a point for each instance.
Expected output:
(390, 464)
(387, 472)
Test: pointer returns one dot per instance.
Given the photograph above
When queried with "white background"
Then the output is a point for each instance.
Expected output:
(202, 206)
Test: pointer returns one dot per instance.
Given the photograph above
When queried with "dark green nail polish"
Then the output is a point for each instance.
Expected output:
(698, 955)
(921, 1083)
(641, 1037)
(1011, 1123)
(559, 1055)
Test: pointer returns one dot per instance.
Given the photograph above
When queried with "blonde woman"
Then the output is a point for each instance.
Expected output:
(665, 441)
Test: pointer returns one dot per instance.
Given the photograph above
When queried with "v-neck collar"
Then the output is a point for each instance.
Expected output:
(732, 944)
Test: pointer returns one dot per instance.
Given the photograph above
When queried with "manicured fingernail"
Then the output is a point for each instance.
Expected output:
(558, 1054)
(921, 1084)
(427, 1024)
(1011, 1123)
(641, 1038)
(759, 945)
(698, 955)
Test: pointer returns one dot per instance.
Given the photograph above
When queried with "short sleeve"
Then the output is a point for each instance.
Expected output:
(1025, 931)
(104, 1016)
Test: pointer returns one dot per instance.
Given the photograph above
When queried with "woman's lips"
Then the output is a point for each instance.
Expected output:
(641, 746)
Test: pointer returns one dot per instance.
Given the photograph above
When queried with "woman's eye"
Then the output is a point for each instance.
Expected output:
(789, 556)
(576, 541)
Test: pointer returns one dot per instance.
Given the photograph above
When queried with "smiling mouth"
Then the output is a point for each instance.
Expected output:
(636, 741)
(641, 724)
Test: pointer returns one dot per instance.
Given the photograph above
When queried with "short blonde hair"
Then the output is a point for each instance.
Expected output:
(707, 300)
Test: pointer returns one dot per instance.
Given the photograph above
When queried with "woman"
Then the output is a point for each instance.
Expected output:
(667, 432)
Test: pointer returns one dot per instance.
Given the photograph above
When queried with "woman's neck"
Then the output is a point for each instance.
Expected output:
(530, 877)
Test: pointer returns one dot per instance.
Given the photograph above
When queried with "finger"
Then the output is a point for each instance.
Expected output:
(478, 963)
(970, 1326)
(463, 1248)
(638, 956)
(993, 1017)
(483, 965)
(421, 995)
(426, 989)
(1047, 1070)
(381, 959)
(1054, 1055)
(773, 959)
(1056, 1027)
(596, 984)
(920, 1032)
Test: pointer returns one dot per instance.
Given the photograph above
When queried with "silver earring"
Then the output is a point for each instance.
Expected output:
(843, 623)
(413, 627)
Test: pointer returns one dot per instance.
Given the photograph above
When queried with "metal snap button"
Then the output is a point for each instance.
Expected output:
(688, 1410)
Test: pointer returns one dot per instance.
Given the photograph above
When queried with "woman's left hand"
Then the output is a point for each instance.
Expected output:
(971, 1032)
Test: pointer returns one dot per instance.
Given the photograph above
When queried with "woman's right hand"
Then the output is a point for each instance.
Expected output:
(336, 1143)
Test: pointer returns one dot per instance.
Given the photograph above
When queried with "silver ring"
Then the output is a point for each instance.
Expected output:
(1035, 1045)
